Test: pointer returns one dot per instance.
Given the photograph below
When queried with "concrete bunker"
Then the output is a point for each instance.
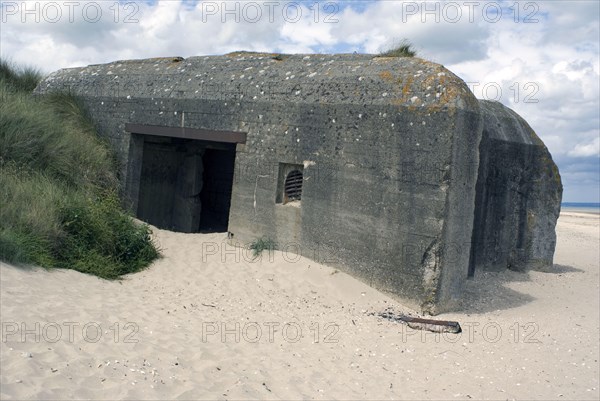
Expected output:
(181, 178)
(387, 168)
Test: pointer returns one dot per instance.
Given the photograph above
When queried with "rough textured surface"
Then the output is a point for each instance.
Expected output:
(388, 149)
(518, 195)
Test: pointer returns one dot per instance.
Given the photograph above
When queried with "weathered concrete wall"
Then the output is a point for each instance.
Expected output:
(388, 148)
(519, 192)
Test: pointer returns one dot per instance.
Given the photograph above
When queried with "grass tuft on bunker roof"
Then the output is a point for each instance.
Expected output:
(402, 49)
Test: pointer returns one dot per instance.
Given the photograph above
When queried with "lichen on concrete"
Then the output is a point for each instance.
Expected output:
(397, 154)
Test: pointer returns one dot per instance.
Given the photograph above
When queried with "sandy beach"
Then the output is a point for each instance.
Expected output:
(208, 322)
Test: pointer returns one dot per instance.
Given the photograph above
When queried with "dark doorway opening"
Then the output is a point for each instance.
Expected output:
(185, 185)
(219, 167)
(161, 162)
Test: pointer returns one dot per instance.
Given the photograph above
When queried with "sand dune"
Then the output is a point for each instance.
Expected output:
(208, 322)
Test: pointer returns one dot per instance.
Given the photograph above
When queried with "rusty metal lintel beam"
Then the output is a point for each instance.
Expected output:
(187, 133)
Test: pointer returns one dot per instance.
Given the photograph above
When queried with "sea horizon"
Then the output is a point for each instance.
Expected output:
(589, 207)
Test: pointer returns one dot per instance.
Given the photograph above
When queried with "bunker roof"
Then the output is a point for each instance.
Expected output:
(301, 78)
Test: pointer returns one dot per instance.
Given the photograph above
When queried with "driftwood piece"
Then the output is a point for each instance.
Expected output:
(417, 323)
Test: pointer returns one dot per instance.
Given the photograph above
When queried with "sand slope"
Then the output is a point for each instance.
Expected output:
(526, 336)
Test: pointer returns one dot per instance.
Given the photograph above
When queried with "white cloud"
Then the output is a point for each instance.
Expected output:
(585, 150)
(385, 22)
(548, 71)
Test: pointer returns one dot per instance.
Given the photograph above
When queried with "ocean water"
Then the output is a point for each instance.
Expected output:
(581, 207)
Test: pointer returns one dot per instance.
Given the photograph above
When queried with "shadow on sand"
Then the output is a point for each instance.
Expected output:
(489, 291)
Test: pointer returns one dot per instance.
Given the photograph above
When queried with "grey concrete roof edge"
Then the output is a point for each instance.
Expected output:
(405, 81)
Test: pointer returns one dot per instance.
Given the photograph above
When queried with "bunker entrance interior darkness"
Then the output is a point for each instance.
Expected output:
(185, 184)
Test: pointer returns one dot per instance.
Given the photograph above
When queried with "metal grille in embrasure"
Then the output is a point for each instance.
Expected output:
(293, 186)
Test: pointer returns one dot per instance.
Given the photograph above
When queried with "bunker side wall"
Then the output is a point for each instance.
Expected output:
(518, 195)
(455, 249)
(374, 198)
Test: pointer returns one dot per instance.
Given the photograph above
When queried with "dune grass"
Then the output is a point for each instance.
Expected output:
(402, 49)
(261, 244)
(58, 196)
(18, 79)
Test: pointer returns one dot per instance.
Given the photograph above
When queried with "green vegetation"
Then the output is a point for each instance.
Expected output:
(261, 244)
(58, 197)
(403, 49)
(18, 79)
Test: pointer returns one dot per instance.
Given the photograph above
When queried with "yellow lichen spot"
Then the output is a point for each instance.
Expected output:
(407, 86)
(386, 76)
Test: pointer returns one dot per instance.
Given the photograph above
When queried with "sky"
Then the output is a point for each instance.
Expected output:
(540, 58)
